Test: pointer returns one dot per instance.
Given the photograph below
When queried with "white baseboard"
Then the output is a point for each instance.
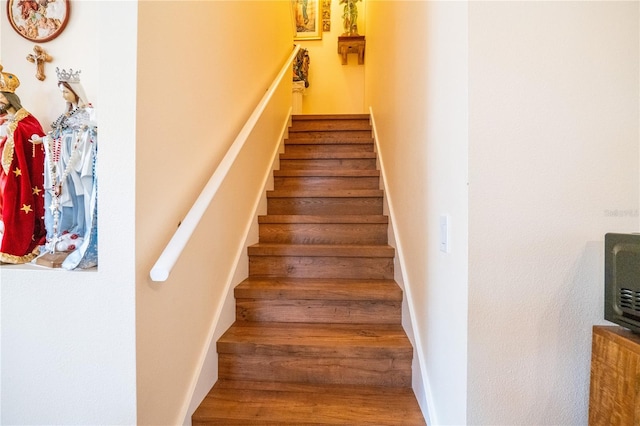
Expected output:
(201, 385)
(420, 382)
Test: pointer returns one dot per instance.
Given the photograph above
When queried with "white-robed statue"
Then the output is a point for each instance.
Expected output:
(70, 177)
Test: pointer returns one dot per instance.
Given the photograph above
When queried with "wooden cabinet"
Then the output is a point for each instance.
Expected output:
(614, 397)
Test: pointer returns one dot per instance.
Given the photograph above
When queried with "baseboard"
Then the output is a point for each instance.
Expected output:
(199, 389)
(420, 378)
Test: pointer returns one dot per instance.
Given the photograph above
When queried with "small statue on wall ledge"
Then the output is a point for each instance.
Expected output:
(301, 67)
(350, 17)
(22, 229)
(70, 180)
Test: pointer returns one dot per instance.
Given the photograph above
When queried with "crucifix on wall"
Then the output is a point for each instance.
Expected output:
(39, 57)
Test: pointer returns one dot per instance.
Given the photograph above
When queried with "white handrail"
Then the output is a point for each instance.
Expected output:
(173, 250)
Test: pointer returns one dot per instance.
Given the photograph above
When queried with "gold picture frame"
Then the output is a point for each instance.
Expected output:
(307, 16)
(38, 20)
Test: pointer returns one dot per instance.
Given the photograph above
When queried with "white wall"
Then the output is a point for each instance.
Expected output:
(553, 89)
(68, 338)
(416, 83)
(540, 101)
(552, 122)
(335, 88)
(202, 69)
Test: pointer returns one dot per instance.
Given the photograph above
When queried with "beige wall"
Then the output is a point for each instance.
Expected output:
(202, 68)
(68, 337)
(416, 85)
(553, 149)
(541, 108)
(535, 105)
(333, 87)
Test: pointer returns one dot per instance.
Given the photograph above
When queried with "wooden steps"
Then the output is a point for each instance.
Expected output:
(318, 289)
(318, 338)
(306, 146)
(327, 161)
(325, 202)
(326, 301)
(321, 261)
(373, 355)
(268, 403)
(326, 179)
(323, 229)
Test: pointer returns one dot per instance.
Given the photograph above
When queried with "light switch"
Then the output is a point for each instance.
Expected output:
(444, 234)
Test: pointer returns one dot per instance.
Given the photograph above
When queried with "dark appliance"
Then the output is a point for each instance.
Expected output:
(622, 280)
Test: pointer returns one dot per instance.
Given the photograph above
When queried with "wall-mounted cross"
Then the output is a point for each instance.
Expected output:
(39, 58)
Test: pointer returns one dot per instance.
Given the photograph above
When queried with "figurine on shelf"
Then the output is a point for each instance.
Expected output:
(22, 229)
(350, 17)
(70, 178)
(301, 67)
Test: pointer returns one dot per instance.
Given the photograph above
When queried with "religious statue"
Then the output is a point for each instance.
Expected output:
(350, 17)
(70, 177)
(301, 67)
(22, 229)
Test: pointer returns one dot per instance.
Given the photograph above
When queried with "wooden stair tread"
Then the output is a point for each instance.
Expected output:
(327, 155)
(337, 301)
(324, 135)
(343, 390)
(325, 193)
(324, 117)
(321, 250)
(326, 173)
(356, 125)
(240, 402)
(318, 289)
(324, 229)
(311, 339)
(346, 218)
(334, 141)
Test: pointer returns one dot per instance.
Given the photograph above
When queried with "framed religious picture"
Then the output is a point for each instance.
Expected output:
(38, 20)
(308, 19)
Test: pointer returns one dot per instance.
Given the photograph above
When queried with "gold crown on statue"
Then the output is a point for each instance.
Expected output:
(68, 76)
(8, 82)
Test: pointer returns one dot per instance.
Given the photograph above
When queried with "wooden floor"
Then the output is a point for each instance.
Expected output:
(318, 338)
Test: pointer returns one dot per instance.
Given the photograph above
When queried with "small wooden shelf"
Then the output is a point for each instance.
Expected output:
(351, 44)
(614, 396)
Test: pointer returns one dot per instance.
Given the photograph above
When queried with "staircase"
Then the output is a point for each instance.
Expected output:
(318, 336)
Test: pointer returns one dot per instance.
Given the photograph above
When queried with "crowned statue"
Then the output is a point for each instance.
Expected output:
(70, 179)
(22, 229)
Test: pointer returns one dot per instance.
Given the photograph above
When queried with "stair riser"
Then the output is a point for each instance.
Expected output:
(347, 371)
(331, 125)
(304, 233)
(324, 134)
(324, 206)
(321, 267)
(335, 290)
(329, 164)
(333, 183)
(299, 149)
(319, 311)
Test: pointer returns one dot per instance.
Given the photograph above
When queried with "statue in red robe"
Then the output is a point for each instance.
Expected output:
(21, 178)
